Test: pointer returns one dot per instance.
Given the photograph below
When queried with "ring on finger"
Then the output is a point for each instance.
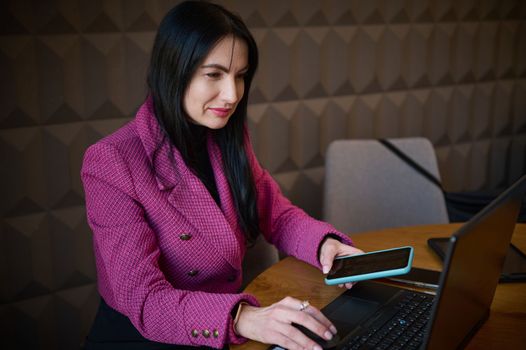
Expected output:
(304, 304)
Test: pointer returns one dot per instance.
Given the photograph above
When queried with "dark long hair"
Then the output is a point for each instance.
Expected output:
(186, 35)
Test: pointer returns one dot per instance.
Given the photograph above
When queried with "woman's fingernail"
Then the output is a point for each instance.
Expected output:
(317, 347)
(325, 269)
(328, 335)
(333, 329)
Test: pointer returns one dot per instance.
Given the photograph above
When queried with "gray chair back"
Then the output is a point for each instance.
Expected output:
(368, 187)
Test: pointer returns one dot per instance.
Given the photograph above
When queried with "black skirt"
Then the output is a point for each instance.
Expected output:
(111, 330)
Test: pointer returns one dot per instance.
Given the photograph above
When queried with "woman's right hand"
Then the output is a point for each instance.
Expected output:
(273, 324)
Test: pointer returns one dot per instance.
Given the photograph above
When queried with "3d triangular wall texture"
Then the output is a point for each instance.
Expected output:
(73, 71)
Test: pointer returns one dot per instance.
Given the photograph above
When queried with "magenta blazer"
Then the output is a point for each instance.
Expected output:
(167, 255)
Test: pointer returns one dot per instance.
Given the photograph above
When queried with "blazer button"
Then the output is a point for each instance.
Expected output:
(216, 333)
(206, 333)
(185, 236)
(195, 333)
(193, 273)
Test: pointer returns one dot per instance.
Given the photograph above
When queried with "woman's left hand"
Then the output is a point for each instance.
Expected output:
(332, 248)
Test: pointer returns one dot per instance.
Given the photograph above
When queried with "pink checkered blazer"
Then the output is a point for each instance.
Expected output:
(167, 255)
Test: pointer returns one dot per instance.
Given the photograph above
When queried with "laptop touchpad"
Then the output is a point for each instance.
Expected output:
(352, 310)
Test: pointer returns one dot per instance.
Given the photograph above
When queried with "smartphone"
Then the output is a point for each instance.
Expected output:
(377, 264)
(419, 278)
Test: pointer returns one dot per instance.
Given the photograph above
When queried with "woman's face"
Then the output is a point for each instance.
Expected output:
(218, 84)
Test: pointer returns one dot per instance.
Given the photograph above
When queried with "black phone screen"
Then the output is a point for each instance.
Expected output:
(369, 263)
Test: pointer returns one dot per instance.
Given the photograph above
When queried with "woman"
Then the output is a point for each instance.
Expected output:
(176, 195)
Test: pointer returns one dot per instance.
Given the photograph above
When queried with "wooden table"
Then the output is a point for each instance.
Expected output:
(505, 328)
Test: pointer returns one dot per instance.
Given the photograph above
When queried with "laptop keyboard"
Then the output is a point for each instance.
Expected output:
(402, 329)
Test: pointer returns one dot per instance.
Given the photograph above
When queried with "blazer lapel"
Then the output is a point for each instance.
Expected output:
(225, 194)
(193, 201)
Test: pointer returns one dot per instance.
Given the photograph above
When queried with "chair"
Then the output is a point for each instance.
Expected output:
(368, 187)
(257, 259)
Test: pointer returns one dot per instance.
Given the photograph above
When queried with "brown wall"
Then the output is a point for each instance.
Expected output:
(73, 71)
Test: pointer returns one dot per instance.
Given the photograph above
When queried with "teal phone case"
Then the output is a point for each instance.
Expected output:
(373, 275)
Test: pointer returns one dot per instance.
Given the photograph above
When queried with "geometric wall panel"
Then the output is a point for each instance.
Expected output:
(334, 67)
(361, 118)
(305, 73)
(414, 56)
(21, 161)
(487, 113)
(478, 165)
(485, 47)
(499, 158)
(506, 49)
(436, 111)
(519, 106)
(520, 57)
(274, 79)
(305, 138)
(28, 258)
(412, 118)
(34, 323)
(459, 114)
(58, 61)
(388, 119)
(517, 157)
(39, 323)
(274, 155)
(390, 57)
(439, 60)
(60, 150)
(73, 264)
(502, 118)
(333, 124)
(363, 49)
(19, 81)
(462, 47)
(72, 72)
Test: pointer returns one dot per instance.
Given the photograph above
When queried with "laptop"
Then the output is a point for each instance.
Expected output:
(373, 315)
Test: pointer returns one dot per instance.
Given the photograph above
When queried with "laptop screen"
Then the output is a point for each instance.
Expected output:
(472, 270)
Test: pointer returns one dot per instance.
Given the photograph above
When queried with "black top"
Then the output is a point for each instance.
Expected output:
(202, 166)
